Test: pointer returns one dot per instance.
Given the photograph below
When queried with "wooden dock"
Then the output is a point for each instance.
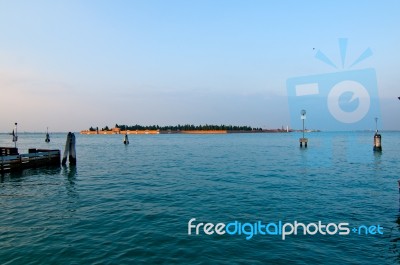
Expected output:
(11, 160)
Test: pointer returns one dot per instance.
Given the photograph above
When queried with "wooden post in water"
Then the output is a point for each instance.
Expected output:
(126, 140)
(66, 150)
(15, 135)
(47, 140)
(69, 149)
(72, 152)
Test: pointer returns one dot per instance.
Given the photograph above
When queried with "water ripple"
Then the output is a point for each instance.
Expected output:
(131, 205)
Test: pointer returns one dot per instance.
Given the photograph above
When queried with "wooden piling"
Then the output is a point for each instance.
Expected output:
(126, 140)
(69, 149)
(47, 140)
(66, 150)
(72, 152)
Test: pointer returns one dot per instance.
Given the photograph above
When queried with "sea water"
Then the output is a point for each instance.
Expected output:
(132, 204)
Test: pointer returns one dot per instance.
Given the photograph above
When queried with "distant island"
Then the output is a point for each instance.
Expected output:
(182, 129)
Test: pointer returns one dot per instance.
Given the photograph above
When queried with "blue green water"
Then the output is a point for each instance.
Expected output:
(132, 204)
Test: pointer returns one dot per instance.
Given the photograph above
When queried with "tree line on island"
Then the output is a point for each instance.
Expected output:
(186, 127)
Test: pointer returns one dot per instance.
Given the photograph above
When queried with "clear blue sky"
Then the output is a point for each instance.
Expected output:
(71, 64)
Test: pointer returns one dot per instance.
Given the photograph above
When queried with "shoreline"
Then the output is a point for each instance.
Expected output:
(130, 132)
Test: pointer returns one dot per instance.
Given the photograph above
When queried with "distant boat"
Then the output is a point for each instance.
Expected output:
(47, 140)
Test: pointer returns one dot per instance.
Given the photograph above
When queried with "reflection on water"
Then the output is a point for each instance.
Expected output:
(377, 161)
(21, 175)
(69, 173)
(70, 183)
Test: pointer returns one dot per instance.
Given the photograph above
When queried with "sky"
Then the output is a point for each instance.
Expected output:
(69, 64)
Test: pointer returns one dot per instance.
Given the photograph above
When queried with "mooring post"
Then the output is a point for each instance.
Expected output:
(377, 138)
(377, 142)
(72, 152)
(15, 135)
(47, 140)
(66, 150)
(126, 140)
(303, 139)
